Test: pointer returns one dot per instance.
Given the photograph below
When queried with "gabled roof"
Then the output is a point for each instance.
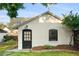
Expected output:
(2, 31)
(33, 18)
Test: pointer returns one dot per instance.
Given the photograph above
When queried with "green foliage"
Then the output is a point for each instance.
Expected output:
(47, 4)
(48, 46)
(71, 21)
(6, 38)
(11, 8)
(10, 42)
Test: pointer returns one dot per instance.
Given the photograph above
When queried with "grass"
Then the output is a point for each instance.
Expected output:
(51, 53)
(6, 45)
(10, 44)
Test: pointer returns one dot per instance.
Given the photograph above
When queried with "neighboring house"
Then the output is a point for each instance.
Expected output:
(14, 32)
(44, 29)
(6, 29)
(2, 34)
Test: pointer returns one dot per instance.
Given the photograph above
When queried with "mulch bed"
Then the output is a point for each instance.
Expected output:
(60, 47)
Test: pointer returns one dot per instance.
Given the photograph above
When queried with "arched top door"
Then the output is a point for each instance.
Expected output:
(27, 38)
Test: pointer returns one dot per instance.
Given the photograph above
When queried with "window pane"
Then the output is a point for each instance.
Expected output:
(27, 36)
(25, 33)
(29, 33)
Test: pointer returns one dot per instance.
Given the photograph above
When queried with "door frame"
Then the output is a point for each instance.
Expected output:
(23, 37)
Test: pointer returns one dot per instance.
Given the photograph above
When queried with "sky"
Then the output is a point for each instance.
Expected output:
(34, 10)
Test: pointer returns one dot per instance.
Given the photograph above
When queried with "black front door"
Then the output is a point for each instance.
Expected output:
(27, 38)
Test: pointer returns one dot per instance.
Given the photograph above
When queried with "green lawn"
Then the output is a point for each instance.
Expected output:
(51, 53)
(6, 45)
(11, 44)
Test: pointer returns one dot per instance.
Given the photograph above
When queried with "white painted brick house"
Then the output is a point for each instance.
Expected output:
(45, 29)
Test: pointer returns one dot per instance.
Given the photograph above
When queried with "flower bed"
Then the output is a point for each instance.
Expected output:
(63, 47)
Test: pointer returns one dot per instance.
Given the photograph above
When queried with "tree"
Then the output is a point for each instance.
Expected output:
(48, 4)
(72, 21)
(11, 8)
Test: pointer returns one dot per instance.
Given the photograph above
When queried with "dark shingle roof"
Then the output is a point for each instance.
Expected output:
(2, 31)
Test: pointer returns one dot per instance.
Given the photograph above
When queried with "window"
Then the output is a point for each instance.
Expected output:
(53, 35)
(27, 35)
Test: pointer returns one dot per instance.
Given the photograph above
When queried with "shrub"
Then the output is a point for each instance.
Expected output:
(6, 38)
(48, 46)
